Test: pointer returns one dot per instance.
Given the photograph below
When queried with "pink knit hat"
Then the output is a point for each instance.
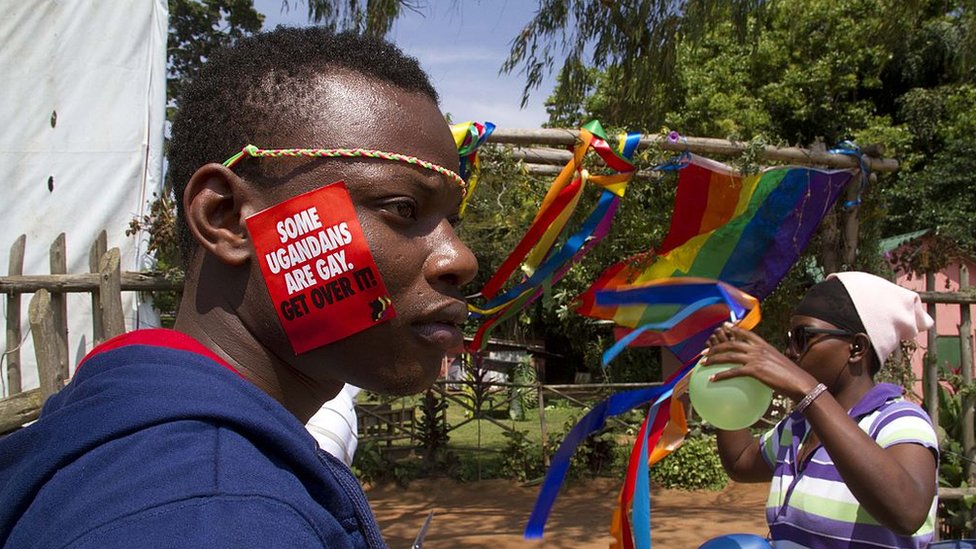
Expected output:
(889, 312)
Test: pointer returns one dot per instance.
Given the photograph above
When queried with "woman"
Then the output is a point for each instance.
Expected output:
(854, 465)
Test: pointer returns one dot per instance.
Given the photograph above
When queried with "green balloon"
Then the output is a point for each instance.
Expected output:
(729, 404)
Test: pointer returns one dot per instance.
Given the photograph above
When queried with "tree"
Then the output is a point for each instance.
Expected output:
(891, 74)
(197, 28)
(372, 17)
(634, 42)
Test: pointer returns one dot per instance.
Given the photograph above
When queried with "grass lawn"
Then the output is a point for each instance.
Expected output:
(487, 435)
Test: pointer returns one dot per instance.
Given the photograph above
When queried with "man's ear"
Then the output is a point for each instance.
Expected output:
(215, 200)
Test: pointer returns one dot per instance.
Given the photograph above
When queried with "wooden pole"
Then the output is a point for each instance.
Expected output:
(46, 344)
(59, 304)
(13, 319)
(966, 365)
(543, 431)
(963, 298)
(18, 409)
(110, 293)
(701, 145)
(98, 249)
(851, 217)
(930, 376)
(86, 282)
(830, 255)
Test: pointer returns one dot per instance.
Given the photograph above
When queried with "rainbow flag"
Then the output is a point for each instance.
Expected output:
(746, 231)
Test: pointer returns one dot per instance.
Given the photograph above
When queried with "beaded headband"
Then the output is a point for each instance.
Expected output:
(253, 151)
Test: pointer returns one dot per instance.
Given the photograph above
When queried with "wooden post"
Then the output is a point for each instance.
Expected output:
(852, 218)
(543, 431)
(46, 343)
(18, 409)
(59, 302)
(830, 234)
(98, 249)
(13, 318)
(699, 145)
(930, 376)
(110, 293)
(966, 365)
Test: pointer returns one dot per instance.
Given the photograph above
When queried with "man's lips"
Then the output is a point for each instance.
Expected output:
(441, 325)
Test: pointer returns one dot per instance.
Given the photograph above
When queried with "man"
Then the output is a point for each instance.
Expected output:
(305, 270)
(335, 426)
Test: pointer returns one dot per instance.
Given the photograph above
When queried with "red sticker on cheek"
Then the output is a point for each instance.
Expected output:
(318, 269)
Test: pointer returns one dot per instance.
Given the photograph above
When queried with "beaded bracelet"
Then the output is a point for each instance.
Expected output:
(810, 397)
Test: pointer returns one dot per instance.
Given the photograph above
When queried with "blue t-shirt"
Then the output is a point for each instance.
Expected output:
(156, 442)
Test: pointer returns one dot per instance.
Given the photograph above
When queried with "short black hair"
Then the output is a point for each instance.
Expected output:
(231, 102)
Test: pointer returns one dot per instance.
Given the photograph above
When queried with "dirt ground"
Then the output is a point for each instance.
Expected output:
(492, 514)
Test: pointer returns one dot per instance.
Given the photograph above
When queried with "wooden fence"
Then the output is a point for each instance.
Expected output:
(47, 318)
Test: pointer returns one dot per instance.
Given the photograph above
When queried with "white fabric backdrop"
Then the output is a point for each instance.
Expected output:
(100, 65)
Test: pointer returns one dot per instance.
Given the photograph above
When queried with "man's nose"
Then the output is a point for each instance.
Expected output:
(451, 261)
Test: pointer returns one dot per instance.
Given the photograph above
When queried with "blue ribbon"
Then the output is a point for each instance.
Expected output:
(623, 342)
(631, 140)
(694, 296)
(849, 148)
(641, 507)
(590, 423)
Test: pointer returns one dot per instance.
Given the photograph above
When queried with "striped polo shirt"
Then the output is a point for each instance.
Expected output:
(813, 508)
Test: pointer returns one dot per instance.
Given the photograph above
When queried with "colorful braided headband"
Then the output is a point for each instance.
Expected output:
(251, 150)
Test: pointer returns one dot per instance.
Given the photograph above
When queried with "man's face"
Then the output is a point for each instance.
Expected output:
(407, 215)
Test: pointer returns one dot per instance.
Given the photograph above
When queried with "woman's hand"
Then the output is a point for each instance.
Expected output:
(759, 359)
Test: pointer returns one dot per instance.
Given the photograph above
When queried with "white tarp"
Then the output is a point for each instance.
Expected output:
(82, 106)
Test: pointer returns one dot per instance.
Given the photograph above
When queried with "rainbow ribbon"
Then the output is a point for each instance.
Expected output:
(689, 305)
(730, 236)
(664, 427)
(469, 137)
(534, 252)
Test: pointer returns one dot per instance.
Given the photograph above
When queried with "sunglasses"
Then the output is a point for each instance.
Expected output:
(799, 338)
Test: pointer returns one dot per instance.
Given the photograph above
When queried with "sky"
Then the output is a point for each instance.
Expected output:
(462, 45)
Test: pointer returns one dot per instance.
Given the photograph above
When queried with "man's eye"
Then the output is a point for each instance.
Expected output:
(404, 209)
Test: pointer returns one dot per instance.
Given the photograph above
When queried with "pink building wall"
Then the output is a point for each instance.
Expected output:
(947, 316)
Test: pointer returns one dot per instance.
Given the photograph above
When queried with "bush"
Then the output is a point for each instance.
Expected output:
(372, 466)
(693, 466)
(432, 429)
(955, 516)
(521, 459)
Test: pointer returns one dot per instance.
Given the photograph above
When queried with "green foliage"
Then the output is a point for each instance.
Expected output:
(372, 17)
(896, 77)
(634, 42)
(523, 398)
(956, 515)
(898, 368)
(431, 427)
(521, 458)
(372, 465)
(598, 454)
(693, 466)
(197, 28)
(160, 224)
